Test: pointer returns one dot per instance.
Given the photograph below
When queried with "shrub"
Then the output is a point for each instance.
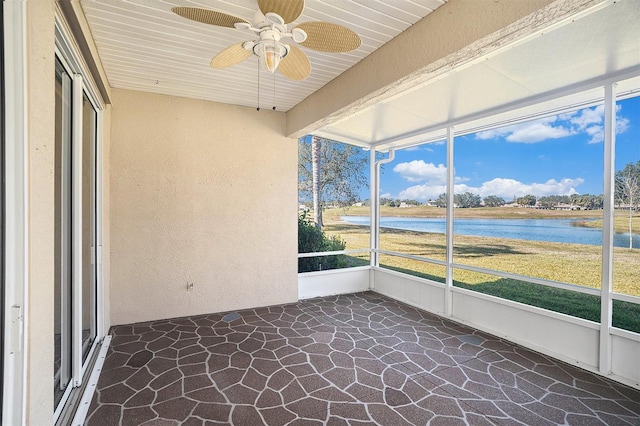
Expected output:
(312, 239)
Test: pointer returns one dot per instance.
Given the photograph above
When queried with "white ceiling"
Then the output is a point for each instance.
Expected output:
(144, 46)
(555, 69)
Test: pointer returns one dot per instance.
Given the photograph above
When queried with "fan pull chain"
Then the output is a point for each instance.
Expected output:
(274, 91)
(258, 109)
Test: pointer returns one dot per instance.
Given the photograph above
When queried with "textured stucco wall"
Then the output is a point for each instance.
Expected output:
(204, 193)
(457, 32)
(106, 221)
(41, 205)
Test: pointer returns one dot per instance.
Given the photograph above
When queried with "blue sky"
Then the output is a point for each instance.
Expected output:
(558, 155)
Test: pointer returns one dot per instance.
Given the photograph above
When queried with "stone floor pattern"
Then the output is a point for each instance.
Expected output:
(353, 359)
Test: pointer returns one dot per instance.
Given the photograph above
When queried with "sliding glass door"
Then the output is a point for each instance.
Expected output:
(62, 301)
(75, 321)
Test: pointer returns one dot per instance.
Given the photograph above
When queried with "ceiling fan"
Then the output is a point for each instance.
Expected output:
(272, 45)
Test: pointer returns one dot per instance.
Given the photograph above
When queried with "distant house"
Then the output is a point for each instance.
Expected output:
(564, 206)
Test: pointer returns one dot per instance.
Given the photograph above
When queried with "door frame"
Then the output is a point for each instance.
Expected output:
(16, 244)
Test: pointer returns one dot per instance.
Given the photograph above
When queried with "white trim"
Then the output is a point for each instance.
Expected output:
(448, 298)
(374, 225)
(333, 271)
(626, 298)
(87, 396)
(17, 209)
(65, 396)
(606, 304)
(374, 193)
(332, 253)
(76, 226)
(99, 144)
(92, 350)
(625, 333)
(66, 47)
(65, 231)
(413, 257)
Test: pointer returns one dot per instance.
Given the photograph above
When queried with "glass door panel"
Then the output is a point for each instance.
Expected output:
(88, 226)
(62, 290)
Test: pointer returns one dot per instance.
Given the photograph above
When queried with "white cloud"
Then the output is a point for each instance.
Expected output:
(588, 121)
(422, 192)
(529, 132)
(587, 117)
(591, 122)
(502, 187)
(508, 188)
(536, 132)
(419, 171)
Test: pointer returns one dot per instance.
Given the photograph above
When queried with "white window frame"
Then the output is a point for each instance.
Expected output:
(16, 237)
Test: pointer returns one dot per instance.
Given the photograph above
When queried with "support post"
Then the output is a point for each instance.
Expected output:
(448, 296)
(374, 194)
(606, 304)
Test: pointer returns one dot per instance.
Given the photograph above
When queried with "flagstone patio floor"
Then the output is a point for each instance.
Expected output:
(352, 359)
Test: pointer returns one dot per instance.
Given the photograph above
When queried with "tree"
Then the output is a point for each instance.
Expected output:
(441, 201)
(466, 200)
(627, 192)
(551, 201)
(494, 201)
(527, 200)
(587, 201)
(330, 171)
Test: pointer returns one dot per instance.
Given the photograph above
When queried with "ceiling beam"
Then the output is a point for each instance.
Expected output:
(455, 34)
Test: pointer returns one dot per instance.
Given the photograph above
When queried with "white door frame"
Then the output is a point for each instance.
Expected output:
(16, 237)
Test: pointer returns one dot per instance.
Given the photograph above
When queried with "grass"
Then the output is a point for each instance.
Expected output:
(569, 263)
(620, 222)
(625, 315)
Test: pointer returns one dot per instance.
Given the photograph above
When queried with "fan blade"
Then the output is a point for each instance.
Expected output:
(327, 37)
(207, 16)
(232, 55)
(289, 10)
(295, 66)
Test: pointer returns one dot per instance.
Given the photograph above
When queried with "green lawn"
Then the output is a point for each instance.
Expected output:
(568, 263)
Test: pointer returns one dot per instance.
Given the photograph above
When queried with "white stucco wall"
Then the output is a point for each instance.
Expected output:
(41, 202)
(106, 221)
(204, 193)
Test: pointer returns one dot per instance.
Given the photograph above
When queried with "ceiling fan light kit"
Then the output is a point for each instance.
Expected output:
(270, 53)
(270, 28)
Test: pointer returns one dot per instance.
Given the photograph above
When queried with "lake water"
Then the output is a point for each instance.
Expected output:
(552, 230)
